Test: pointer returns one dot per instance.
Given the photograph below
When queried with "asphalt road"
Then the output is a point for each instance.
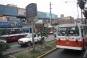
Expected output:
(15, 47)
(65, 53)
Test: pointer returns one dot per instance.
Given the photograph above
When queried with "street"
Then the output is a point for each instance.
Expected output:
(15, 47)
(65, 53)
(59, 53)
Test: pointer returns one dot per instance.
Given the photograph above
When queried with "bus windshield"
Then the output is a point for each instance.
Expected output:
(68, 31)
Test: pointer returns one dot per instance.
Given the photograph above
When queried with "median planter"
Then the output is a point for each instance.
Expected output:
(29, 53)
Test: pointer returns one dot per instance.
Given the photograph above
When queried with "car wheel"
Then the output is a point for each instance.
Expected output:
(29, 44)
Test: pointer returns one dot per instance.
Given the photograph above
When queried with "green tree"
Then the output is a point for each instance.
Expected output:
(85, 13)
(43, 32)
(83, 8)
(3, 46)
(81, 3)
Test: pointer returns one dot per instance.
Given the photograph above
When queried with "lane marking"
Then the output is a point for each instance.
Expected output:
(85, 53)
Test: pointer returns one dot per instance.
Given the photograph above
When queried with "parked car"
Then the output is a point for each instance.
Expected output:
(28, 40)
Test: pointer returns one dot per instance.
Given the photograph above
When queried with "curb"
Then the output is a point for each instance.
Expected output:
(46, 53)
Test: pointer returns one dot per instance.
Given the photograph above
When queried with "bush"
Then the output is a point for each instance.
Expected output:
(48, 47)
(3, 46)
(34, 53)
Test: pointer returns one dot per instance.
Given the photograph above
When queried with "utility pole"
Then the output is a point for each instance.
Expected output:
(33, 35)
(81, 17)
(77, 11)
(50, 14)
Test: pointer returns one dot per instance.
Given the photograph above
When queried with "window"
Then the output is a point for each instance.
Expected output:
(68, 31)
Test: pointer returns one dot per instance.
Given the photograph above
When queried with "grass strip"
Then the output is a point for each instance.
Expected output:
(29, 53)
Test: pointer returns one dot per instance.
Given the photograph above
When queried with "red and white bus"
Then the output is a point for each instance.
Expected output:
(71, 36)
(13, 34)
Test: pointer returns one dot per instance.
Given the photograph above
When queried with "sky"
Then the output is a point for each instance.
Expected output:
(58, 6)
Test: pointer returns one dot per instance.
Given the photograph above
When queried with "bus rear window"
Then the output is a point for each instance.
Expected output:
(68, 31)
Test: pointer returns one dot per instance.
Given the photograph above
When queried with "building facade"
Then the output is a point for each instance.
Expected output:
(11, 10)
(81, 21)
(65, 20)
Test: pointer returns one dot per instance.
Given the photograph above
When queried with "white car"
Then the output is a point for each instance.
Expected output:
(28, 40)
(3, 40)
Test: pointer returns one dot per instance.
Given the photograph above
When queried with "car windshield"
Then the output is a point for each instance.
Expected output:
(68, 31)
(29, 36)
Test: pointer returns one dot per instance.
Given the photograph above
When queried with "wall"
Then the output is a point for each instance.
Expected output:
(53, 16)
(8, 10)
(69, 21)
(12, 11)
(46, 15)
(1, 10)
(3, 19)
(41, 14)
(21, 12)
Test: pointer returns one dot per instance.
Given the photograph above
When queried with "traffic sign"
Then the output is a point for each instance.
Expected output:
(31, 12)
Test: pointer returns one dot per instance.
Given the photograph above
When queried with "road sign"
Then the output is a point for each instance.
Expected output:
(31, 12)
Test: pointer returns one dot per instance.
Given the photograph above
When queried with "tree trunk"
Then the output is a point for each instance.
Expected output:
(41, 46)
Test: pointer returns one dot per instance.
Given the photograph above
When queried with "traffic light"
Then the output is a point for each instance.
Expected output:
(85, 13)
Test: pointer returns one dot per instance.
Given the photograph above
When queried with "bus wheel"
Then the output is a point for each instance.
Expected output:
(29, 44)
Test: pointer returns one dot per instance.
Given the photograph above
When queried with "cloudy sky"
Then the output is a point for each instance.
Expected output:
(58, 6)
